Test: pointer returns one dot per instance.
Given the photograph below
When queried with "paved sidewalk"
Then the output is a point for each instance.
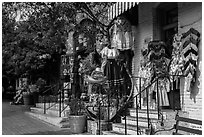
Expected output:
(16, 122)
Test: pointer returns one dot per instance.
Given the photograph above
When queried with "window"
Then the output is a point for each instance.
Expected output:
(169, 23)
(172, 16)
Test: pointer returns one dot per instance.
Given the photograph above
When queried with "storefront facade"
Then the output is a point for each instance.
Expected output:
(160, 21)
(105, 75)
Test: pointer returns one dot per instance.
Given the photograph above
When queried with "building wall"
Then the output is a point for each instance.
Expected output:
(144, 32)
(189, 15)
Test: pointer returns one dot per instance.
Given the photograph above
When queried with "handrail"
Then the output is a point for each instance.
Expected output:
(64, 108)
(158, 103)
(50, 88)
(44, 95)
(45, 99)
(130, 98)
(55, 102)
(145, 89)
(139, 94)
(157, 78)
(60, 101)
(147, 95)
(139, 87)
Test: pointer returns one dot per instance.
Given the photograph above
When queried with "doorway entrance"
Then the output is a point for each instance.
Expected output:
(167, 19)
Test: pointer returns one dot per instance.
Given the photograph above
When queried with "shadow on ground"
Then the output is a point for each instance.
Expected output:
(60, 132)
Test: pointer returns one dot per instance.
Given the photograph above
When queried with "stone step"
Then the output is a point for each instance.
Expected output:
(62, 122)
(141, 121)
(111, 133)
(41, 105)
(131, 129)
(51, 112)
(153, 114)
(51, 105)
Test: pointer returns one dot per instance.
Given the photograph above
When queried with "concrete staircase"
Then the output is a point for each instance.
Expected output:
(52, 117)
(52, 114)
(119, 128)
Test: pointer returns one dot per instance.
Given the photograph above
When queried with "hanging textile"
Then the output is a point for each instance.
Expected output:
(112, 71)
(185, 57)
(145, 70)
(177, 62)
(126, 56)
(163, 88)
(190, 54)
(159, 60)
(145, 73)
(109, 53)
(200, 77)
(121, 35)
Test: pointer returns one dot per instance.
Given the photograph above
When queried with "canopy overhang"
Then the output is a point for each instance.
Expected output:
(119, 8)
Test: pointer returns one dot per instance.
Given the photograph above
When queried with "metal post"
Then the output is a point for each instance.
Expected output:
(140, 91)
(60, 103)
(99, 122)
(137, 117)
(108, 110)
(49, 98)
(173, 93)
(44, 104)
(125, 124)
(158, 106)
(147, 94)
(125, 114)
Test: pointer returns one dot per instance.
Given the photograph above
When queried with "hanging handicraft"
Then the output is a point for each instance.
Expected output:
(185, 56)
(190, 53)
(121, 34)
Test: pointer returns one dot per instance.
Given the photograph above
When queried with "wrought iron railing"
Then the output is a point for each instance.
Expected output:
(138, 102)
(56, 98)
(108, 105)
(123, 109)
(99, 105)
(139, 105)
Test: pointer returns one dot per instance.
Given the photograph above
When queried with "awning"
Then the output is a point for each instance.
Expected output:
(119, 8)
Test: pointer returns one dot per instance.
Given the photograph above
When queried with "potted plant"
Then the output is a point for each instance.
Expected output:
(34, 90)
(77, 117)
(27, 96)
